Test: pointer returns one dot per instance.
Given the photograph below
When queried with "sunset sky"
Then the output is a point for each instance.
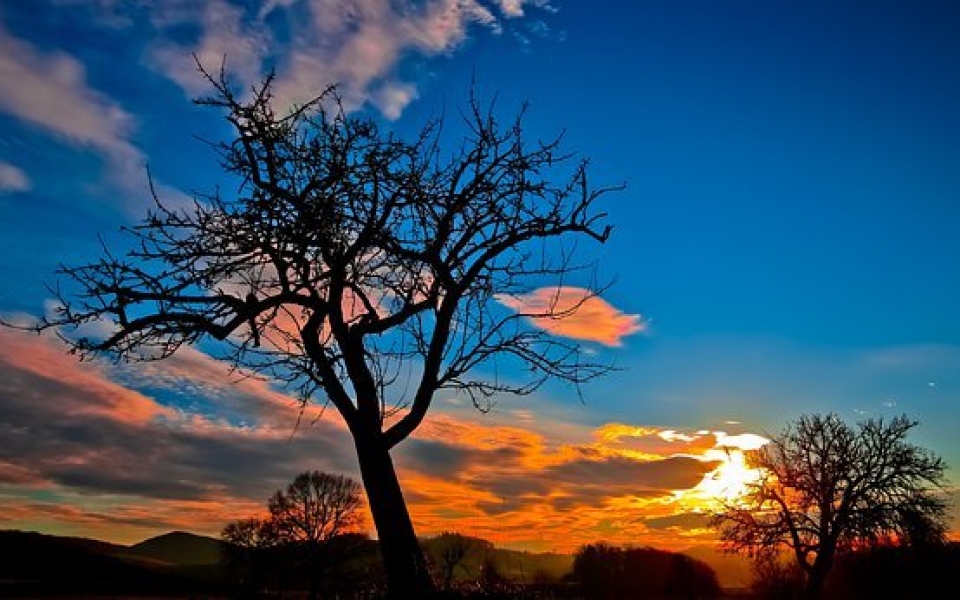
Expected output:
(788, 242)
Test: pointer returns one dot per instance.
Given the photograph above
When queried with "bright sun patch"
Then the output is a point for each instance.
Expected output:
(730, 480)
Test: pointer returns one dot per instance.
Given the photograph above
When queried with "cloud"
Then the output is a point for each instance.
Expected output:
(575, 313)
(49, 90)
(511, 8)
(223, 36)
(118, 452)
(13, 179)
(548, 491)
(68, 428)
(358, 45)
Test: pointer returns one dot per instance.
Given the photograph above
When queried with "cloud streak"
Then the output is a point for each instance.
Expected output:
(575, 313)
(49, 90)
(13, 179)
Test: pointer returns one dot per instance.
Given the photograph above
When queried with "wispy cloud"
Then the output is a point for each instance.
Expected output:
(575, 313)
(223, 35)
(49, 90)
(357, 45)
(13, 179)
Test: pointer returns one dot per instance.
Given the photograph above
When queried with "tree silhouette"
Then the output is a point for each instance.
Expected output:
(308, 520)
(827, 488)
(316, 508)
(450, 551)
(349, 259)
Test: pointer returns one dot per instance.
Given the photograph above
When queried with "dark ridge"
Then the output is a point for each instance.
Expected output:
(39, 565)
(180, 548)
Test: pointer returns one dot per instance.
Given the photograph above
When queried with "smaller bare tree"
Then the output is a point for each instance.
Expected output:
(316, 507)
(450, 551)
(828, 488)
(314, 510)
(251, 534)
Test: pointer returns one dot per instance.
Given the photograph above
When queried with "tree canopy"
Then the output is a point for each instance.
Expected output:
(349, 259)
(828, 488)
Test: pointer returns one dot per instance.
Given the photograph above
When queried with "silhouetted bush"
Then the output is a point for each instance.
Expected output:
(604, 571)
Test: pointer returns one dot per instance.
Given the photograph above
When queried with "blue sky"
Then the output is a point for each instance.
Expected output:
(788, 233)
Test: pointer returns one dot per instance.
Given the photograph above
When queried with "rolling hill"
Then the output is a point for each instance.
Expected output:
(37, 565)
(180, 548)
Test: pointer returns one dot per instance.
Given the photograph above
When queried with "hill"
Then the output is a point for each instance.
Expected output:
(180, 548)
(39, 565)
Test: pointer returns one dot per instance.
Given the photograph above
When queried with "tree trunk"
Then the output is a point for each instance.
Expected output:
(407, 573)
(816, 578)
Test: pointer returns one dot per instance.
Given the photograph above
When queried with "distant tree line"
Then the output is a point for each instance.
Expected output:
(611, 572)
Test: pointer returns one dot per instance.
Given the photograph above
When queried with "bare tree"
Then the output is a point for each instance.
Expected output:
(305, 519)
(316, 507)
(349, 262)
(828, 488)
(314, 510)
(251, 534)
(450, 550)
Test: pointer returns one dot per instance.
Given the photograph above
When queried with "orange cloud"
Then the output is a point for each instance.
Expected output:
(86, 455)
(575, 313)
(43, 358)
(619, 483)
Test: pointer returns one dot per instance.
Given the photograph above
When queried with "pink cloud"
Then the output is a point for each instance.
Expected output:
(44, 358)
(575, 313)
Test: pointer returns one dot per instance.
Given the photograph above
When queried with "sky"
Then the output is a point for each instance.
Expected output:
(787, 242)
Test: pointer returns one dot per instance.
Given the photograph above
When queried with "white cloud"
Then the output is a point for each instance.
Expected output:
(13, 179)
(392, 98)
(49, 90)
(223, 37)
(356, 44)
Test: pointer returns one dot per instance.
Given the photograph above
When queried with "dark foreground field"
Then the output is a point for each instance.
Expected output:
(181, 566)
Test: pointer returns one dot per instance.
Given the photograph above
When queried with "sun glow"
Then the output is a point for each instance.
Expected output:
(730, 480)
(732, 477)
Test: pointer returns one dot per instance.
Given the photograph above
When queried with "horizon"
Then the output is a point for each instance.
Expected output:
(786, 244)
(218, 538)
